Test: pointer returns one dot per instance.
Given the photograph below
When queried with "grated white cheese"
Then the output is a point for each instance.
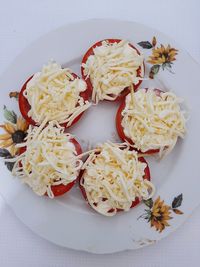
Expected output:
(112, 68)
(50, 159)
(53, 93)
(113, 178)
(152, 121)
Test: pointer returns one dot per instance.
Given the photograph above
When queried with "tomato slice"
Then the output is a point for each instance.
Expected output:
(91, 52)
(24, 106)
(146, 176)
(120, 128)
(61, 189)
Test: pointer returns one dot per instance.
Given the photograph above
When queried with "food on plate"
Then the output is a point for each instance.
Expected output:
(109, 67)
(151, 120)
(54, 93)
(49, 160)
(115, 178)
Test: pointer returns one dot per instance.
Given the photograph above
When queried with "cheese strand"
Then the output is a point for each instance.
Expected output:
(153, 121)
(50, 159)
(54, 93)
(113, 178)
(112, 68)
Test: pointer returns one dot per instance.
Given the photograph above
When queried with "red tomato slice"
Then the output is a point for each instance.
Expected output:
(146, 176)
(90, 52)
(25, 107)
(120, 129)
(61, 189)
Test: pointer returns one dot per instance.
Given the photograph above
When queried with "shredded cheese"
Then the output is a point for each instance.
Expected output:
(54, 93)
(112, 68)
(50, 159)
(153, 121)
(113, 178)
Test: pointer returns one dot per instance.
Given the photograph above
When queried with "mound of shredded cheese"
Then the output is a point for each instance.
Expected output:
(50, 159)
(54, 94)
(153, 121)
(112, 68)
(113, 178)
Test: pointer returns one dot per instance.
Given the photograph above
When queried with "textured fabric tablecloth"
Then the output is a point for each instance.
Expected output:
(22, 22)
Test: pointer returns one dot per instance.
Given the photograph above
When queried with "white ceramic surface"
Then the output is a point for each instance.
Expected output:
(68, 221)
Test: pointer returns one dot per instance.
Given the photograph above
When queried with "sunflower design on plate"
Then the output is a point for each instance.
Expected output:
(158, 213)
(161, 57)
(14, 133)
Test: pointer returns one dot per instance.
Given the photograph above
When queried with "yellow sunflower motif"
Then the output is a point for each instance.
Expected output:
(163, 55)
(14, 134)
(160, 214)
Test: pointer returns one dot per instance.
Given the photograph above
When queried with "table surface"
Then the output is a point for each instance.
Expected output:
(21, 22)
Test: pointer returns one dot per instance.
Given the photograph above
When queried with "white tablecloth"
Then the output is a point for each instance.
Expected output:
(23, 21)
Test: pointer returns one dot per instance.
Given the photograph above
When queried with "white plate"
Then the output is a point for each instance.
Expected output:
(68, 221)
